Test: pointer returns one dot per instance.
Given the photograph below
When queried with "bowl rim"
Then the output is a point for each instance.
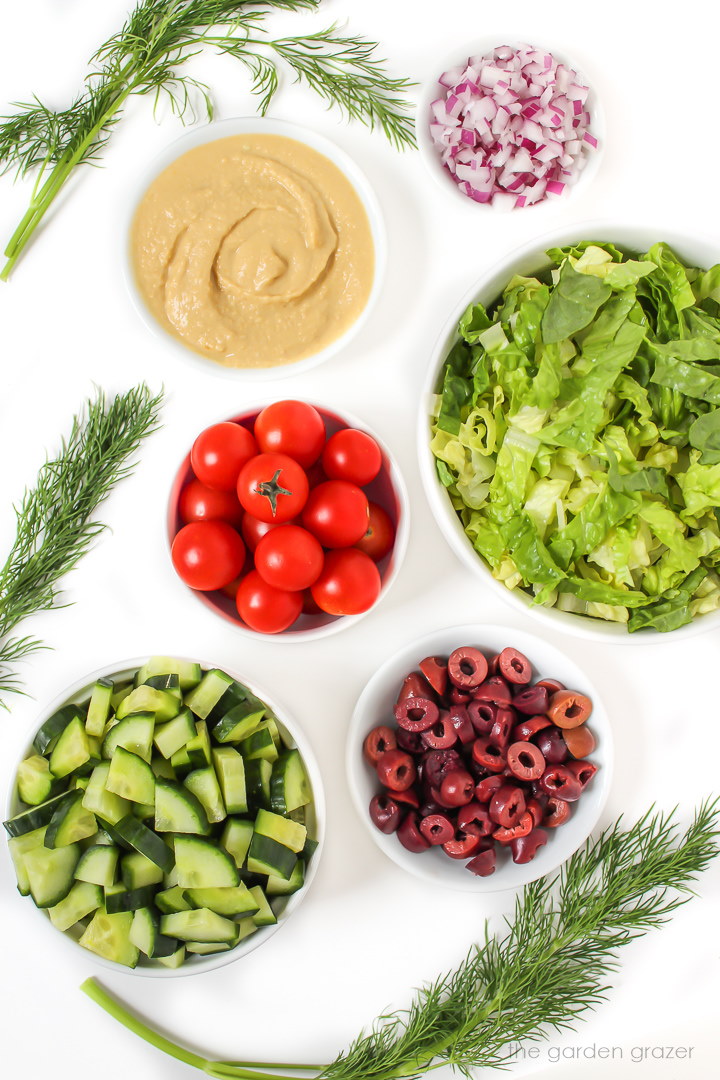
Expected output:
(406, 658)
(527, 258)
(77, 692)
(431, 87)
(241, 125)
(397, 552)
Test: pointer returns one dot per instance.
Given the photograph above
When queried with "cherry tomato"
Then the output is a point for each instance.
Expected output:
(352, 455)
(293, 428)
(198, 502)
(349, 583)
(253, 529)
(208, 554)
(265, 608)
(337, 513)
(289, 557)
(380, 535)
(272, 487)
(219, 453)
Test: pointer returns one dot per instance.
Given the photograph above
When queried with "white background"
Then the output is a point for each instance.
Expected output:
(367, 932)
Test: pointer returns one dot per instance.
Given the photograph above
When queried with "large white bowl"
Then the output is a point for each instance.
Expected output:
(528, 260)
(375, 706)
(79, 694)
(258, 125)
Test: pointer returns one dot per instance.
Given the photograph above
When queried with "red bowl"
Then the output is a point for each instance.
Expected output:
(387, 490)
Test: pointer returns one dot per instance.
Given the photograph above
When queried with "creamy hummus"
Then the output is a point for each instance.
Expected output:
(253, 250)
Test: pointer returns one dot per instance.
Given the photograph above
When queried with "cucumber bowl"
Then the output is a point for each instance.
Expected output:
(166, 817)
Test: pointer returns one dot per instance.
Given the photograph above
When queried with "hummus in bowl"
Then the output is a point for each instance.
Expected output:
(257, 246)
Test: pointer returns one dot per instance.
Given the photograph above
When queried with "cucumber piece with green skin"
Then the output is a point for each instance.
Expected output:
(133, 833)
(206, 695)
(144, 811)
(175, 734)
(146, 699)
(18, 846)
(203, 865)
(235, 694)
(258, 773)
(145, 935)
(189, 673)
(54, 727)
(267, 856)
(276, 886)
(133, 733)
(177, 810)
(71, 750)
(235, 900)
(34, 780)
(101, 802)
(239, 722)
(169, 683)
(131, 777)
(163, 769)
(51, 873)
(288, 833)
(98, 865)
(176, 960)
(137, 871)
(259, 745)
(82, 899)
(264, 916)
(37, 816)
(109, 937)
(171, 900)
(198, 749)
(199, 924)
(70, 822)
(236, 837)
(207, 948)
(99, 706)
(309, 848)
(246, 927)
(118, 898)
(119, 694)
(289, 784)
(203, 784)
(230, 771)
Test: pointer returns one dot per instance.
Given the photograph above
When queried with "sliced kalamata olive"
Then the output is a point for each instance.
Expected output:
(467, 667)
(416, 714)
(551, 744)
(551, 685)
(430, 807)
(457, 788)
(580, 741)
(475, 814)
(465, 843)
(525, 760)
(532, 701)
(456, 696)
(507, 805)
(501, 730)
(485, 789)
(506, 835)
(493, 662)
(460, 721)
(557, 812)
(415, 685)
(515, 667)
(384, 813)
(377, 741)
(436, 763)
(569, 709)
(396, 770)
(411, 741)
(536, 810)
(409, 834)
(525, 848)
(482, 715)
(558, 780)
(483, 864)
(442, 735)
(583, 771)
(409, 797)
(488, 755)
(435, 795)
(434, 668)
(437, 829)
(495, 690)
(526, 729)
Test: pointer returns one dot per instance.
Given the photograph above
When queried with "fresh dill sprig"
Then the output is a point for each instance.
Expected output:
(55, 524)
(551, 964)
(147, 56)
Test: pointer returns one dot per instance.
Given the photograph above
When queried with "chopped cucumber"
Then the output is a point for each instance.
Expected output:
(171, 900)
(109, 936)
(277, 886)
(234, 900)
(146, 699)
(54, 726)
(138, 836)
(189, 674)
(145, 934)
(118, 898)
(236, 837)
(258, 773)
(267, 856)
(203, 865)
(203, 699)
(71, 750)
(177, 810)
(34, 780)
(36, 817)
(19, 847)
(70, 822)
(99, 707)
(131, 777)
(51, 873)
(198, 748)
(133, 733)
(175, 734)
(230, 770)
(175, 960)
(239, 722)
(199, 924)
(105, 804)
(289, 784)
(137, 871)
(264, 916)
(98, 864)
(79, 902)
(259, 745)
(203, 783)
(289, 833)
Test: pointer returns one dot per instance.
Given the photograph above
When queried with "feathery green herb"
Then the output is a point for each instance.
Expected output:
(55, 525)
(549, 966)
(146, 57)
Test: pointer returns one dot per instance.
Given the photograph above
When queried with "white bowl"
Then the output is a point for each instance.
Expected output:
(258, 125)
(529, 260)
(79, 694)
(432, 89)
(375, 706)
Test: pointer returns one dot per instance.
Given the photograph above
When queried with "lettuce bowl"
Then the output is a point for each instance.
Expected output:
(530, 260)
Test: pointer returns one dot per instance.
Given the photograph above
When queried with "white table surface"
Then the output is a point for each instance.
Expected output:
(367, 933)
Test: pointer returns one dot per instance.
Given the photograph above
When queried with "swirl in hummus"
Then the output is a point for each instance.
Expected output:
(253, 250)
